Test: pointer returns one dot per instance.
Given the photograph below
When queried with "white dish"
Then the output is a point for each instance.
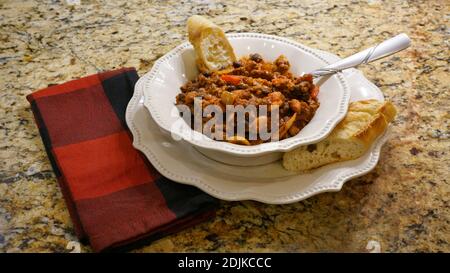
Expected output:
(270, 183)
(162, 84)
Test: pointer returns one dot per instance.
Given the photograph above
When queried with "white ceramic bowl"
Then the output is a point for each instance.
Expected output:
(170, 72)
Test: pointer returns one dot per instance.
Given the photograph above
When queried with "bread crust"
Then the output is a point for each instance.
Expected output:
(365, 122)
(372, 130)
(383, 116)
(199, 28)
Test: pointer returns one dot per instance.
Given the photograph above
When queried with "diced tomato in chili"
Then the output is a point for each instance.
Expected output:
(307, 77)
(315, 92)
(231, 79)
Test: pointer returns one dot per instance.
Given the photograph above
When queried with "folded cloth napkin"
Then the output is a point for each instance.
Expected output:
(114, 195)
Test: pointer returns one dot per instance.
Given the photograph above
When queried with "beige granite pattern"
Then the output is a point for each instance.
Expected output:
(403, 204)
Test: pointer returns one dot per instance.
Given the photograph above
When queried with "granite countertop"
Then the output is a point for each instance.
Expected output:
(403, 205)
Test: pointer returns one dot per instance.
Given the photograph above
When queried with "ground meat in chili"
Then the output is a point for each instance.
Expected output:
(253, 81)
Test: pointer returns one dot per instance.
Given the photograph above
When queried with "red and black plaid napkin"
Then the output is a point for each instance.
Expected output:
(114, 195)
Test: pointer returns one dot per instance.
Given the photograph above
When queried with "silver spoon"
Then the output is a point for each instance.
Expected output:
(384, 49)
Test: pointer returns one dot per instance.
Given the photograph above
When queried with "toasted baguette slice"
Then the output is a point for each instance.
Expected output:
(212, 48)
(352, 137)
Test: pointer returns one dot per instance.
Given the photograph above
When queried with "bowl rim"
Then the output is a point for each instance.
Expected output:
(241, 150)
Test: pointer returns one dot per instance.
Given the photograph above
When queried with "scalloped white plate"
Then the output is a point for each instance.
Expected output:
(269, 183)
(173, 69)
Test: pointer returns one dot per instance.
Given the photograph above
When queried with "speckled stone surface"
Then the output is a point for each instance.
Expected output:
(403, 205)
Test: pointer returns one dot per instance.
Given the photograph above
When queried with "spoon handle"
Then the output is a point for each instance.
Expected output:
(384, 49)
